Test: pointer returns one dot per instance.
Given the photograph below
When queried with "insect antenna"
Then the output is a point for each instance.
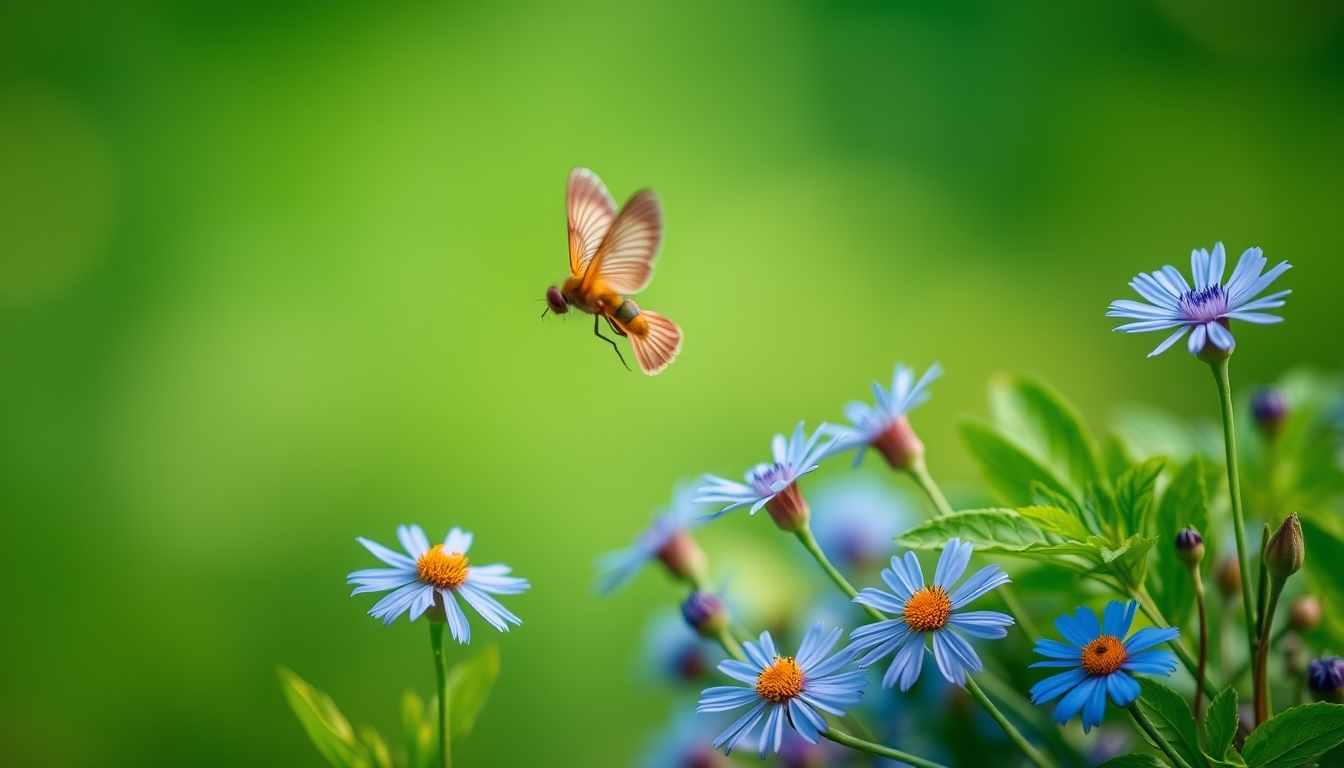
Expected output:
(599, 335)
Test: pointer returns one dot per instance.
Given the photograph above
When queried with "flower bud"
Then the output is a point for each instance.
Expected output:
(705, 613)
(1190, 546)
(683, 557)
(1304, 614)
(899, 444)
(788, 509)
(1285, 551)
(1325, 677)
(1269, 405)
(1228, 577)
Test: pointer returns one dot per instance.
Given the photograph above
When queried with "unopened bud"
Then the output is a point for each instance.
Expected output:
(1304, 614)
(683, 557)
(1269, 405)
(1228, 577)
(1285, 551)
(788, 509)
(1189, 546)
(705, 613)
(899, 444)
(1325, 677)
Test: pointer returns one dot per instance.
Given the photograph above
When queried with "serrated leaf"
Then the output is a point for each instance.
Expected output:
(1295, 736)
(1172, 719)
(1184, 502)
(1134, 760)
(1008, 468)
(327, 728)
(1047, 425)
(985, 528)
(1129, 561)
(469, 684)
(1134, 494)
(1220, 722)
(1056, 520)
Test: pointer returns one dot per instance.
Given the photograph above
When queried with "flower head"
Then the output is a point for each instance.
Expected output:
(1100, 661)
(884, 425)
(667, 538)
(930, 609)
(1325, 676)
(784, 690)
(857, 518)
(435, 576)
(704, 612)
(1270, 407)
(773, 485)
(1189, 545)
(1205, 309)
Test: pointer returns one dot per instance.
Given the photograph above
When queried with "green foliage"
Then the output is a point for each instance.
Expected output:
(1010, 471)
(1295, 736)
(469, 684)
(1325, 553)
(1056, 520)
(1134, 760)
(1220, 723)
(327, 728)
(1172, 719)
(1134, 494)
(1036, 417)
(419, 729)
(1185, 502)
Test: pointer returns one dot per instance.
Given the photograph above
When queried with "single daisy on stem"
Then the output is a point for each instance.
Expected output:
(773, 485)
(668, 538)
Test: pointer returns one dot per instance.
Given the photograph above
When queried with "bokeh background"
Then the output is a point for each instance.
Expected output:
(270, 278)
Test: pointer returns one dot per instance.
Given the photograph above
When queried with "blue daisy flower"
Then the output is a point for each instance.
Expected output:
(1100, 662)
(772, 485)
(667, 538)
(930, 609)
(784, 690)
(436, 576)
(1205, 309)
(884, 425)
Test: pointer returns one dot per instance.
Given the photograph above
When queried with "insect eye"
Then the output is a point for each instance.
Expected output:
(556, 300)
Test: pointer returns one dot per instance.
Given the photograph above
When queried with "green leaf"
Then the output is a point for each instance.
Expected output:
(1172, 719)
(1038, 418)
(1134, 494)
(1056, 520)
(327, 728)
(1325, 551)
(1185, 502)
(1001, 529)
(419, 730)
(1220, 722)
(379, 754)
(1129, 561)
(469, 684)
(1134, 760)
(1295, 736)
(1009, 469)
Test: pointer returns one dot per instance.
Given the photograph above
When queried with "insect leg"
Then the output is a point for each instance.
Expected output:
(598, 333)
(615, 327)
(544, 311)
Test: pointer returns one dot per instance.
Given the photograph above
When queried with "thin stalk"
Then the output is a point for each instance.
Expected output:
(1156, 737)
(445, 706)
(1220, 376)
(920, 471)
(1203, 640)
(1033, 754)
(840, 737)
(810, 543)
(730, 644)
(1151, 610)
(1262, 705)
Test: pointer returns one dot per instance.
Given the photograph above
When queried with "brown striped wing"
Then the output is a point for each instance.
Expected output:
(591, 213)
(624, 261)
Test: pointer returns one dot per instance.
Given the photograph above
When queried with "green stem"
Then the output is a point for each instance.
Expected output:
(730, 644)
(1220, 375)
(441, 666)
(1016, 611)
(839, 737)
(1031, 752)
(1203, 640)
(1156, 737)
(920, 472)
(1151, 610)
(810, 543)
(1262, 705)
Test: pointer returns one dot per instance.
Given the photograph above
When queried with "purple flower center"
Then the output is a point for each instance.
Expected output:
(1203, 305)
(764, 476)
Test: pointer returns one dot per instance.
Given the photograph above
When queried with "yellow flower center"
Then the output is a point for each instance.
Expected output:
(443, 570)
(780, 681)
(927, 609)
(1103, 655)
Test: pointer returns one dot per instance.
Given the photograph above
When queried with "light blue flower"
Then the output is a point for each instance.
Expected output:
(793, 458)
(617, 569)
(436, 576)
(933, 609)
(857, 517)
(1100, 662)
(1209, 305)
(783, 690)
(885, 421)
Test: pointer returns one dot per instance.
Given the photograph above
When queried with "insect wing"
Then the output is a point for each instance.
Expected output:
(591, 213)
(624, 261)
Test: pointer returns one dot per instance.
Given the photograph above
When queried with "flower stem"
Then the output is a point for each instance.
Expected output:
(1262, 705)
(920, 472)
(1203, 640)
(1156, 737)
(730, 644)
(1154, 614)
(441, 666)
(1220, 375)
(810, 544)
(1033, 754)
(839, 737)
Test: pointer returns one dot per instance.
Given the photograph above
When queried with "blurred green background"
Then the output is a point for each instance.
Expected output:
(270, 276)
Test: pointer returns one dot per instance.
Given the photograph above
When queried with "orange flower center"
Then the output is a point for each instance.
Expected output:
(1103, 655)
(443, 570)
(780, 681)
(927, 609)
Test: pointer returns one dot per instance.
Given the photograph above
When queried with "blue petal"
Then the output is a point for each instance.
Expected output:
(1056, 685)
(1073, 701)
(1117, 618)
(906, 665)
(734, 733)
(1150, 636)
(1057, 650)
(1094, 708)
(952, 563)
(1122, 688)
(1073, 631)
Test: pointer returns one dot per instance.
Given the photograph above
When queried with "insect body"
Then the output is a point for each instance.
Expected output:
(611, 256)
